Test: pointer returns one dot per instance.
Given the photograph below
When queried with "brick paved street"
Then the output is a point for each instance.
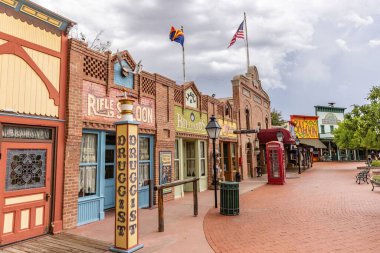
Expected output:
(322, 211)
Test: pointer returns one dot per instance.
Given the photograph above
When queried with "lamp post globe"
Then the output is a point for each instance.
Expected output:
(213, 130)
(280, 135)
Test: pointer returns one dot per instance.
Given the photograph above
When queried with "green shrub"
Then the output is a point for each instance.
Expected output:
(376, 163)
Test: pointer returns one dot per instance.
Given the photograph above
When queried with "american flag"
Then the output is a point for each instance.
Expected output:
(238, 35)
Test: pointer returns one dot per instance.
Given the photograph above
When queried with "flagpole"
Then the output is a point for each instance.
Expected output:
(183, 60)
(246, 41)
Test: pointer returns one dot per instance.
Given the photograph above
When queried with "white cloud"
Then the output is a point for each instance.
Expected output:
(342, 44)
(359, 21)
(374, 43)
(295, 44)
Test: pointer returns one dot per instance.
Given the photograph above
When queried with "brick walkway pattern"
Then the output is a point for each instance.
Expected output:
(322, 211)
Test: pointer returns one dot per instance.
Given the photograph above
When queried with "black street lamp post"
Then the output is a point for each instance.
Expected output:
(298, 155)
(312, 155)
(213, 131)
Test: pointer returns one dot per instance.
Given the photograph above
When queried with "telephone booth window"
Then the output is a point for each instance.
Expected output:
(275, 166)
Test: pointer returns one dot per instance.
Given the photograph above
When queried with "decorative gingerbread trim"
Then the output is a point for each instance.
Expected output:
(12, 48)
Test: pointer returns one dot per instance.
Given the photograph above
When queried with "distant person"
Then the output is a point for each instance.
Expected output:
(369, 160)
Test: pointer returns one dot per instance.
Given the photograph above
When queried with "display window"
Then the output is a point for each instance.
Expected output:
(88, 165)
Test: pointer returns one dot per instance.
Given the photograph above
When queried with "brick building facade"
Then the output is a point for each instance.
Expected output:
(173, 120)
(253, 106)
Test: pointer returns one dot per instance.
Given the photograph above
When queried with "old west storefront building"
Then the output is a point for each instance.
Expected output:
(253, 106)
(306, 129)
(95, 82)
(172, 138)
(33, 60)
(193, 149)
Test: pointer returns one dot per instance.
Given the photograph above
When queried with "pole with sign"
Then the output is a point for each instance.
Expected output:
(126, 186)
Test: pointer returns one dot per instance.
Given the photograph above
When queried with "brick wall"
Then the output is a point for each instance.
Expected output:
(165, 131)
(73, 134)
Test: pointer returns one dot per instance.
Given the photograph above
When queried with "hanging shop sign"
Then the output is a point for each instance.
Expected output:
(306, 127)
(97, 106)
(227, 128)
(166, 169)
(330, 119)
(126, 221)
(189, 121)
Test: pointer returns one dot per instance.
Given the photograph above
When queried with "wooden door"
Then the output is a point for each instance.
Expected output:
(25, 190)
(190, 163)
(145, 169)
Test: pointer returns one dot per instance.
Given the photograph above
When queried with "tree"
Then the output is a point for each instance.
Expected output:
(276, 118)
(361, 127)
(96, 44)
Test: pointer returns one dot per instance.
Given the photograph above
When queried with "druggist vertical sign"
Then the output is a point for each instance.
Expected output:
(126, 206)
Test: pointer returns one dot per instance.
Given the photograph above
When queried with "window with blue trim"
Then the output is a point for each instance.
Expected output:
(88, 165)
(119, 78)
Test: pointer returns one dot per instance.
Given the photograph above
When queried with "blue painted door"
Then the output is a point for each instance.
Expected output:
(145, 169)
(109, 177)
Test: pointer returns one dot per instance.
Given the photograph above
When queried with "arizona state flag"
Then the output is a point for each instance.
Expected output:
(177, 35)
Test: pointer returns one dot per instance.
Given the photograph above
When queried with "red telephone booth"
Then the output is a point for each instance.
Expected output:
(275, 162)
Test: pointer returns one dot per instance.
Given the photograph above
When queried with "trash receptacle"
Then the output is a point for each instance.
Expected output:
(229, 198)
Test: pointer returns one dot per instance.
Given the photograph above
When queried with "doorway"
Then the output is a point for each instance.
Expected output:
(25, 190)
(145, 169)
(190, 163)
(249, 159)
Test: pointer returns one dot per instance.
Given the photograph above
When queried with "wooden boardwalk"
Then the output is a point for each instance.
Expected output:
(61, 243)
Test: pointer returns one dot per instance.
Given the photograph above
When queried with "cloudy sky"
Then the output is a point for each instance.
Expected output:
(308, 52)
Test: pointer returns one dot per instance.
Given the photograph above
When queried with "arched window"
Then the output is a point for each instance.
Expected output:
(266, 122)
(227, 111)
(259, 125)
(247, 118)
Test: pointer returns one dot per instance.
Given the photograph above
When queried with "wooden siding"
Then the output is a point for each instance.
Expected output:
(49, 65)
(22, 90)
(23, 30)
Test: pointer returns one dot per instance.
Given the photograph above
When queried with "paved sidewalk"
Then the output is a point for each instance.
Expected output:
(322, 211)
(183, 232)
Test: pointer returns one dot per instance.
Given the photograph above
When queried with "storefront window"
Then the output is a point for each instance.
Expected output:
(110, 139)
(233, 156)
(190, 159)
(144, 148)
(226, 164)
(144, 164)
(176, 160)
(88, 165)
(203, 158)
(144, 174)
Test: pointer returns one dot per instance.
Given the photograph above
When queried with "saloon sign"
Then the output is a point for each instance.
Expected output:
(97, 106)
